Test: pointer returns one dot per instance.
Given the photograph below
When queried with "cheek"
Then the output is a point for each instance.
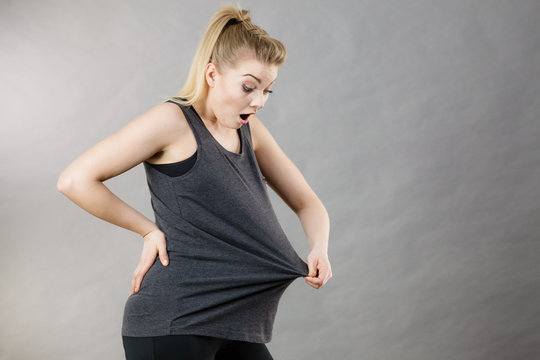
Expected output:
(233, 98)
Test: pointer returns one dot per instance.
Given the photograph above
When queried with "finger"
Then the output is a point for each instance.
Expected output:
(315, 282)
(312, 265)
(323, 274)
(139, 275)
(310, 283)
(314, 277)
(133, 282)
(162, 249)
(329, 276)
(138, 281)
(326, 279)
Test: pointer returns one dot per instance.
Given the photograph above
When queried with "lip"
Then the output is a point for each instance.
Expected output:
(242, 121)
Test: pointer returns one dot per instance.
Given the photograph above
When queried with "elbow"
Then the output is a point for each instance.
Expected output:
(311, 202)
(68, 182)
(71, 182)
(64, 183)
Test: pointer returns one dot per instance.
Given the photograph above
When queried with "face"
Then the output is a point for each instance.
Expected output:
(240, 91)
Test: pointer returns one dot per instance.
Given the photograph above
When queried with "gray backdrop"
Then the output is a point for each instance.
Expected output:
(415, 122)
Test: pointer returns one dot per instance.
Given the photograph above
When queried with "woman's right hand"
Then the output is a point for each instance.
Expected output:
(154, 244)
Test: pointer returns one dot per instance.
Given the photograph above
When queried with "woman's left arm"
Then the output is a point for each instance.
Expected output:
(288, 182)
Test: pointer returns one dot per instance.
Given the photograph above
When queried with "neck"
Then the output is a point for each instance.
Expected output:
(205, 110)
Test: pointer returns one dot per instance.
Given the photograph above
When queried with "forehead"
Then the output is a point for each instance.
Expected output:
(266, 73)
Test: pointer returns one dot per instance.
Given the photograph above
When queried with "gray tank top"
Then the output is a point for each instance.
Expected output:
(229, 259)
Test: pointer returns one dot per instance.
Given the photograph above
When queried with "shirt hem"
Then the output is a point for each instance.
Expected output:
(203, 331)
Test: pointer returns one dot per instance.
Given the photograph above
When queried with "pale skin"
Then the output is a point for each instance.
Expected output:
(162, 135)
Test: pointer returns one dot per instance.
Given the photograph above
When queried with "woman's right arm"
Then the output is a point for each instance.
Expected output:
(82, 181)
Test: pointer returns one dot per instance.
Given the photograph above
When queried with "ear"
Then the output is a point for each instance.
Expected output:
(210, 73)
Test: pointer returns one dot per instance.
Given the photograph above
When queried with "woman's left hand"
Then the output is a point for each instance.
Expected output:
(320, 270)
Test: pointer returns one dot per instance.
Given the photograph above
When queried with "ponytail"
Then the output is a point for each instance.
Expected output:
(230, 33)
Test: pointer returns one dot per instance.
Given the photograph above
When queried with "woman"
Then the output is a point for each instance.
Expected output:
(215, 262)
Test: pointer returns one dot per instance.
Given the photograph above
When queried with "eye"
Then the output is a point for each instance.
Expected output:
(248, 90)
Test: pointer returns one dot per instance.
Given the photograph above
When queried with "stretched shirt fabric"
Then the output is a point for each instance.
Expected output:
(229, 259)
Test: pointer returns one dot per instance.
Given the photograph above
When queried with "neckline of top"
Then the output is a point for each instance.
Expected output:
(238, 131)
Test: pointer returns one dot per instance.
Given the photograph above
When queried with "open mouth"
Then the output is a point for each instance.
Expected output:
(245, 117)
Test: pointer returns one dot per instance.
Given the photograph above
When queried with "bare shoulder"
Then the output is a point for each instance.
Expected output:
(166, 117)
(264, 144)
(262, 139)
(165, 125)
(257, 130)
(153, 132)
(177, 141)
(279, 171)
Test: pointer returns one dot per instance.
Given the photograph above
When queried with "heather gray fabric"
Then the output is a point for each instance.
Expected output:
(230, 260)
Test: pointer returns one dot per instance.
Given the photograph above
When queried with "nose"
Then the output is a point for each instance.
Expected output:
(258, 100)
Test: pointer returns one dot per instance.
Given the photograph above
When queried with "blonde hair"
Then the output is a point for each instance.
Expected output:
(229, 36)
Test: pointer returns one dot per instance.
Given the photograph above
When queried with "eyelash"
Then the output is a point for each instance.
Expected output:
(248, 90)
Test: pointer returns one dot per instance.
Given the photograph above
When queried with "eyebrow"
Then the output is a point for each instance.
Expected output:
(256, 78)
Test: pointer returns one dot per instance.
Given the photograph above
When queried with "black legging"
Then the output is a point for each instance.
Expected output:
(192, 347)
